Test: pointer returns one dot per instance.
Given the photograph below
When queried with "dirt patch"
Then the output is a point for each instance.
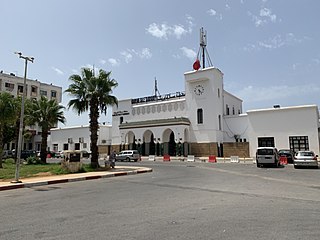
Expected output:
(43, 174)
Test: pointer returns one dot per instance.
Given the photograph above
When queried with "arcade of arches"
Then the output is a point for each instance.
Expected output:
(169, 143)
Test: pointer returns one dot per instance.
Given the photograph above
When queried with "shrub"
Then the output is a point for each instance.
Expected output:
(33, 160)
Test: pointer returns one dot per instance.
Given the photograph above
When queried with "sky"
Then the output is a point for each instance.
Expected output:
(268, 50)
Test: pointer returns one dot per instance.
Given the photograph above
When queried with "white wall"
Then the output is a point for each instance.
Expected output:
(234, 104)
(284, 122)
(236, 125)
(60, 136)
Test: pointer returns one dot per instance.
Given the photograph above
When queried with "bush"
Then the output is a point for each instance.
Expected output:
(33, 160)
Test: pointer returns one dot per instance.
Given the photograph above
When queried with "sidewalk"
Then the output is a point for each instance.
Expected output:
(55, 179)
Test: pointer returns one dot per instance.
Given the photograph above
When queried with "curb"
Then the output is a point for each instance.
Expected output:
(73, 179)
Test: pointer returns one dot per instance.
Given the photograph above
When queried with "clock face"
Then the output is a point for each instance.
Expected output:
(199, 90)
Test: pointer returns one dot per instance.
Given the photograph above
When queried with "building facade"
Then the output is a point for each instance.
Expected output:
(203, 120)
(34, 90)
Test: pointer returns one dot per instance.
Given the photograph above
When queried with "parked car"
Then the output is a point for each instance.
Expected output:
(267, 156)
(305, 158)
(287, 153)
(58, 154)
(128, 155)
(7, 154)
(27, 153)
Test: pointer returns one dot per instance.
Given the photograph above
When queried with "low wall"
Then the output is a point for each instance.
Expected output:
(240, 149)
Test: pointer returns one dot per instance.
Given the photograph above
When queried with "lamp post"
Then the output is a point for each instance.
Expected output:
(21, 115)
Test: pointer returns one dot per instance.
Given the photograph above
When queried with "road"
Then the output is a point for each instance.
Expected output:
(178, 200)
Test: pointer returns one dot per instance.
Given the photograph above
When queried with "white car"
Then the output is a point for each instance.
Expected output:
(267, 156)
(305, 158)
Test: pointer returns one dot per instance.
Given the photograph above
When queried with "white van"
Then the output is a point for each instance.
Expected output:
(267, 156)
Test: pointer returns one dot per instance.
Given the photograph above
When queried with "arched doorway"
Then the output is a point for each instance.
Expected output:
(130, 140)
(185, 144)
(148, 145)
(169, 144)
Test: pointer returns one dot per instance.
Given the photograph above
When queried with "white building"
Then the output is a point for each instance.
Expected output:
(203, 120)
(35, 89)
(78, 138)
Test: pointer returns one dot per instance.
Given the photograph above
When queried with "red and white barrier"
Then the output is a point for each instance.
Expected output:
(212, 159)
(283, 160)
(166, 158)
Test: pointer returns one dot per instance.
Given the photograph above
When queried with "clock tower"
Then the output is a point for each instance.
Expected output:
(204, 104)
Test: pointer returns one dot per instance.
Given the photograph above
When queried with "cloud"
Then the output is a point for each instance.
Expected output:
(158, 31)
(265, 16)
(164, 31)
(265, 12)
(212, 12)
(57, 70)
(189, 53)
(178, 31)
(275, 42)
(145, 53)
(102, 61)
(255, 94)
(114, 62)
(127, 56)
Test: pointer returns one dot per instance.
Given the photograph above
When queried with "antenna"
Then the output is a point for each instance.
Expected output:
(203, 38)
(203, 52)
(156, 91)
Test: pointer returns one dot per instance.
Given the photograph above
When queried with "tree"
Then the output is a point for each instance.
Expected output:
(7, 116)
(46, 113)
(93, 94)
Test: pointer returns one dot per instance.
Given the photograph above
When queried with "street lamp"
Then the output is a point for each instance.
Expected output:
(24, 92)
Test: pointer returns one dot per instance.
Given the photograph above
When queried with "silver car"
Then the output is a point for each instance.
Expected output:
(305, 158)
(128, 155)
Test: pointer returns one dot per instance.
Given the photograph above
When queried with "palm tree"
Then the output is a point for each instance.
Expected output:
(93, 94)
(46, 113)
(7, 116)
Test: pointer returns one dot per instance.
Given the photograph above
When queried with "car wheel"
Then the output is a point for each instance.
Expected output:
(128, 159)
(295, 166)
(258, 165)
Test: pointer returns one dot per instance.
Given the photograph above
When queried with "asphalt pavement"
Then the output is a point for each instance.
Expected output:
(55, 179)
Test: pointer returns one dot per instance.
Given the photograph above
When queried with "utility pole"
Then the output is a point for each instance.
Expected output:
(31, 59)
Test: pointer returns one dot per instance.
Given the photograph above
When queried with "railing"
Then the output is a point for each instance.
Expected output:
(156, 98)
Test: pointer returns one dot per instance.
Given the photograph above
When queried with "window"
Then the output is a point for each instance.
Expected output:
(9, 85)
(20, 89)
(200, 116)
(43, 93)
(55, 147)
(299, 143)
(121, 120)
(84, 145)
(233, 112)
(65, 146)
(77, 146)
(53, 94)
(219, 119)
(34, 89)
(227, 110)
(266, 142)
(218, 92)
